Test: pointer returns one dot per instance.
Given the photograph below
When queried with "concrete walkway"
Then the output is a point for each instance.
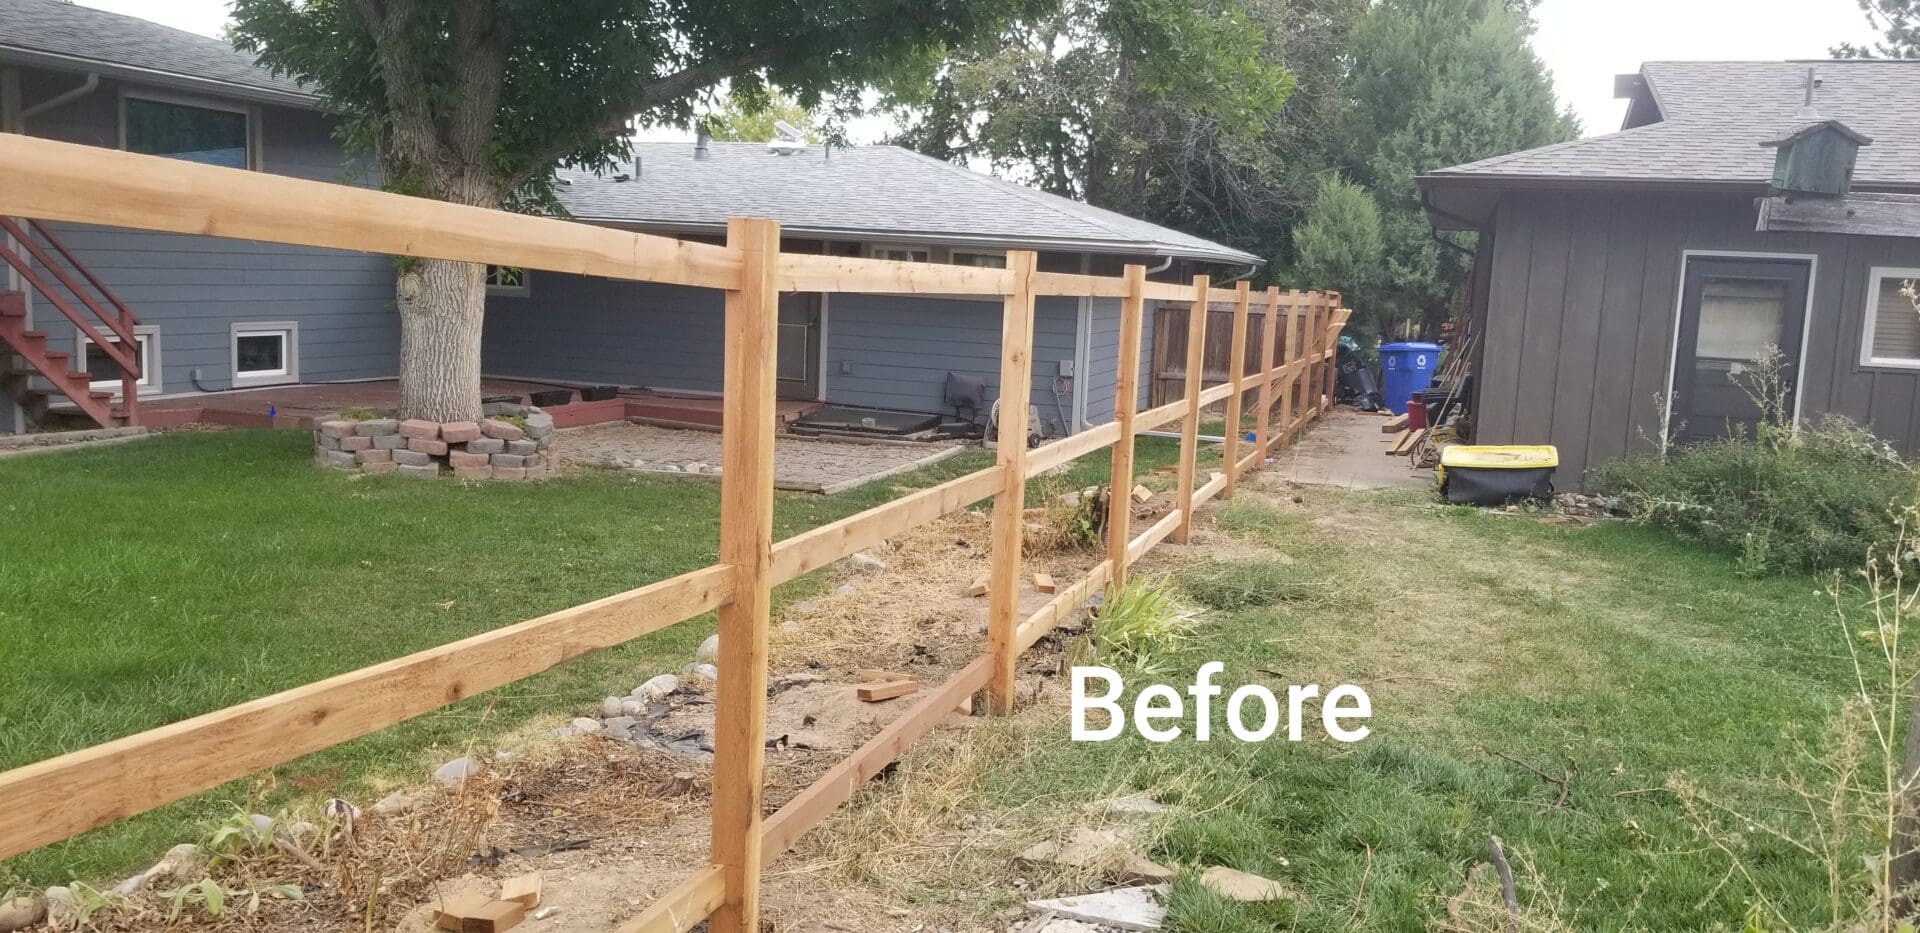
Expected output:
(1346, 449)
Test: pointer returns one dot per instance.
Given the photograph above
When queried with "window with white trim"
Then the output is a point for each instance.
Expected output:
(903, 253)
(95, 361)
(979, 259)
(1892, 332)
(508, 281)
(190, 129)
(266, 354)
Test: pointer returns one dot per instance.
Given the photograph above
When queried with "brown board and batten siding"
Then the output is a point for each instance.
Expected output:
(1581, 307)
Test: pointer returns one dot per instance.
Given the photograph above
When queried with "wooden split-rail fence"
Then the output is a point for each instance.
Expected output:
(57, 798)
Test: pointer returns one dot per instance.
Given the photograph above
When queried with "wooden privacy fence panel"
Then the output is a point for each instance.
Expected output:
(1170, 338)
(1289, 375)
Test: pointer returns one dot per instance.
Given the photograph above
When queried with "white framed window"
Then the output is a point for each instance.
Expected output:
(192, 129)
(1892, 333)
(94, 361)
(979, 259)
(901, 253)
(509, 281)
(266, 354)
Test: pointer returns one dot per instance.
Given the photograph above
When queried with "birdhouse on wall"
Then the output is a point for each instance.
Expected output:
(1816, 159)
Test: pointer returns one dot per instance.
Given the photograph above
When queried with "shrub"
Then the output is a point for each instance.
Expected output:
(1140, 624)
(1819, 498)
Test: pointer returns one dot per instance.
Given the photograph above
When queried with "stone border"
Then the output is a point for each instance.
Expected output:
(492, 449)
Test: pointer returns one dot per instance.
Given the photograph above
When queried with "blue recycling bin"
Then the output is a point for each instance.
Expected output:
(1406, 368)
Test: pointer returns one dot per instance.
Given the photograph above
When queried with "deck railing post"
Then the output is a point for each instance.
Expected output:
(746, 545)
(1269, 335)
(1126, 403)
(1016, 390)
(1236, 376)
(1190, 422)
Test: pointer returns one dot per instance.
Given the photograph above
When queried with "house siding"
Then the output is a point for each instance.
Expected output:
(194, 289)
(1581, 307)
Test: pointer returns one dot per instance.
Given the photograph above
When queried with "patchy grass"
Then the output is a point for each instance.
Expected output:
(151, 582)
(1605, 658)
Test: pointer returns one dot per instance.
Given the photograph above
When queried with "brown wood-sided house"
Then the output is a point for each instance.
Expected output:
(1628, 281)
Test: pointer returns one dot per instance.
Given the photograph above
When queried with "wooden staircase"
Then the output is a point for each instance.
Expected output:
(28, 363)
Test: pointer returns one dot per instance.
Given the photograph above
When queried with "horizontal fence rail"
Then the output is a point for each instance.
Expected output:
(1290, 381)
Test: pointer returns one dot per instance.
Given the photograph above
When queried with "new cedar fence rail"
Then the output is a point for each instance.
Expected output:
(57, 798)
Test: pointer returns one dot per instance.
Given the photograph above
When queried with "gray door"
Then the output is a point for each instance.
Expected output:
(1731, 312)
(798, 353)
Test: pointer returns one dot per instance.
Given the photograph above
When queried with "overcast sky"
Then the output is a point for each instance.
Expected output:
(1585, 42)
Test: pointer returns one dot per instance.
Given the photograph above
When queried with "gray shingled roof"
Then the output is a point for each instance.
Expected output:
(1715, 115)
(51, 32)
(872, 192)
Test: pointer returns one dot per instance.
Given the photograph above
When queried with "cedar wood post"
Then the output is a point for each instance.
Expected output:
(1333, 346)
(1126, 403)
(1016, 389)
(1318, 338)
(1236, 375)
(1269, 334)
(1190, 422)
(1292, 403)
(746, 545)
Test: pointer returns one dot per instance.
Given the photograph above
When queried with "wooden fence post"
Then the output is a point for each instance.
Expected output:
(1126, 403)
(746, 543)
(1295, 401)
(1190, 423)
(1318, 339)
(1016, 389)
(1236, 376)
(1333, 347)
(1269, 334)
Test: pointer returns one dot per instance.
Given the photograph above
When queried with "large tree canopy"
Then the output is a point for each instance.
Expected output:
(476, 101)
(1897, 21)
(1436, 83)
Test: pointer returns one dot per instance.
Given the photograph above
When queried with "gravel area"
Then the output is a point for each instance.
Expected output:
(799, 463)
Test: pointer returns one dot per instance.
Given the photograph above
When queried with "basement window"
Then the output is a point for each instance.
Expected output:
(903, 253)
(980, 260)
(266, 354)
(508, 281)
(189, 129)
(1892, 329)
(106, 373)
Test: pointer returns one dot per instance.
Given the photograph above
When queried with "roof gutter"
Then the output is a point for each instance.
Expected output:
(153, 76)
(1433, 229)
(91, 84)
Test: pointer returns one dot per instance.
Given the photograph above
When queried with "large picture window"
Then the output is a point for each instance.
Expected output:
(1893, 324)
(208, 134)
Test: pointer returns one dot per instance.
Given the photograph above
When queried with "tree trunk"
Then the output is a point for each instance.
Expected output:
(442, 305)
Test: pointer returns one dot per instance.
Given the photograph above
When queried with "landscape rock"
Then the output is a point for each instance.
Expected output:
(1137, 803)
(394, 804)
(705, 670)
(455, 773)
(621, 722)
(610, 707)
(709, 650)
(845, 589)
(1102, 850)
(1240, 886)
(63, 909)
(338, 808)
(301, 831)
(633, 707)
(656, 688)
(585, 726)
(262, 824)
(867, 563)
(182, 861)
(1136, 908)
(22, 912)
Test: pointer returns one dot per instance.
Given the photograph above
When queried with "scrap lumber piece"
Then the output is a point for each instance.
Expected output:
(523, 890)
(474, 912)
(979, 587)
(1395, 426)
(1399, 443)
(1142, 494)
(1043, 582)
(1407, 441)
(879, 690)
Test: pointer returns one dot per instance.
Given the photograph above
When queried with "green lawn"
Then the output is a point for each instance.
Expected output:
(1610, 656)
(150, 582)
